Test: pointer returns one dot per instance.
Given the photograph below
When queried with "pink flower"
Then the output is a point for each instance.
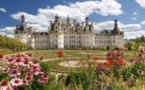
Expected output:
(29, 54)
(10, 61)
(35, 70)
(44, 76)
(131, 60)
(5, 85)
(34, 63)
(26, 62)
(14, 72)
(29, 78)
(18, 62)
(25, 83)
(28, 74)
(41, 80)
(100, 67)
(16, 82)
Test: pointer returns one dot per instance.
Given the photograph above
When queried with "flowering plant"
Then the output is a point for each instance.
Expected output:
(21, 72)
(116, 73)
(120, 74)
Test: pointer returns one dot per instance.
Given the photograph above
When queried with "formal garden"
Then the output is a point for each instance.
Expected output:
(112, 69)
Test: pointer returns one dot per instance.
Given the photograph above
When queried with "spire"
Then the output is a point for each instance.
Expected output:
(116, 29)
(115, 23)
(87, 20)
(57, 19)
(22, 24)
(74, 22)
(67, 20)
(22, 19)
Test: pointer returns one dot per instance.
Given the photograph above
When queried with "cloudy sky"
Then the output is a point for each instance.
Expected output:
(129, 13)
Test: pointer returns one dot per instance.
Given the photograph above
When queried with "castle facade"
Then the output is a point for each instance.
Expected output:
(66, 35)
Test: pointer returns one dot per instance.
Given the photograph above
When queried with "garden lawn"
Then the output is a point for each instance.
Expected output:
(71, 55)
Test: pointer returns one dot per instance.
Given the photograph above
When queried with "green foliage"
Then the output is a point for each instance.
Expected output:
(114, 87)
(135, 43)
(12, 44)
(45, 67)
(107, 48)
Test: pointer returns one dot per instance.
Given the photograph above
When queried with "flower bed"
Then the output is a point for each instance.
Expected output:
(21, 72)
(118, 72)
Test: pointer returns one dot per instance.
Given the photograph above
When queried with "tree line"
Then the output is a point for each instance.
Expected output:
(133, 44)
(10, 43)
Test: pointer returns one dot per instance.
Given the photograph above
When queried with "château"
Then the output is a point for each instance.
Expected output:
(66, 35)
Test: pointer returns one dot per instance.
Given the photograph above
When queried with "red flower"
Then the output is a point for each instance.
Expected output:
(60, 54)
(109, 63)
(41, 57)
(95, 58)
(88, 55)
(1, 55)
(120, 61)
(29, 54)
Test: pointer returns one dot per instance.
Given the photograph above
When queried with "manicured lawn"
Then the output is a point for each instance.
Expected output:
(71, 55)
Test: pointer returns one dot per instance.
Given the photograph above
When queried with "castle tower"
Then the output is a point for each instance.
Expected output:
(74, 22)
(87, 26)
(57, 19)
(87, 20)
(68, 20)
(22, 33)
(116, 30)
(22, 19)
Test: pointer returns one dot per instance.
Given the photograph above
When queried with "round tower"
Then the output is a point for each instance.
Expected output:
(22, 19)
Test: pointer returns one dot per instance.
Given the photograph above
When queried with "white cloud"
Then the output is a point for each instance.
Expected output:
(3, 33)
(3, 10)
(104, 25)
(78, 11)
(130, 30)
(9, 28)
(10, 35)
(134, 34)
(29, 18)
(109, 7)
(8, 31)
(141, 3)
(38, 27)
(133, 18)
(110, 25)
(135, 13)
(143, 22)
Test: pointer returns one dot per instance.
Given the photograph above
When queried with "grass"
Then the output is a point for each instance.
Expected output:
(72, 55)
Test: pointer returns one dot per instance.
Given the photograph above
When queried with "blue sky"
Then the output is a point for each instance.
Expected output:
(129, 13)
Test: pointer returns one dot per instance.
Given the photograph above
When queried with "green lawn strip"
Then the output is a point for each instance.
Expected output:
(54, 65)
(48, 54)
